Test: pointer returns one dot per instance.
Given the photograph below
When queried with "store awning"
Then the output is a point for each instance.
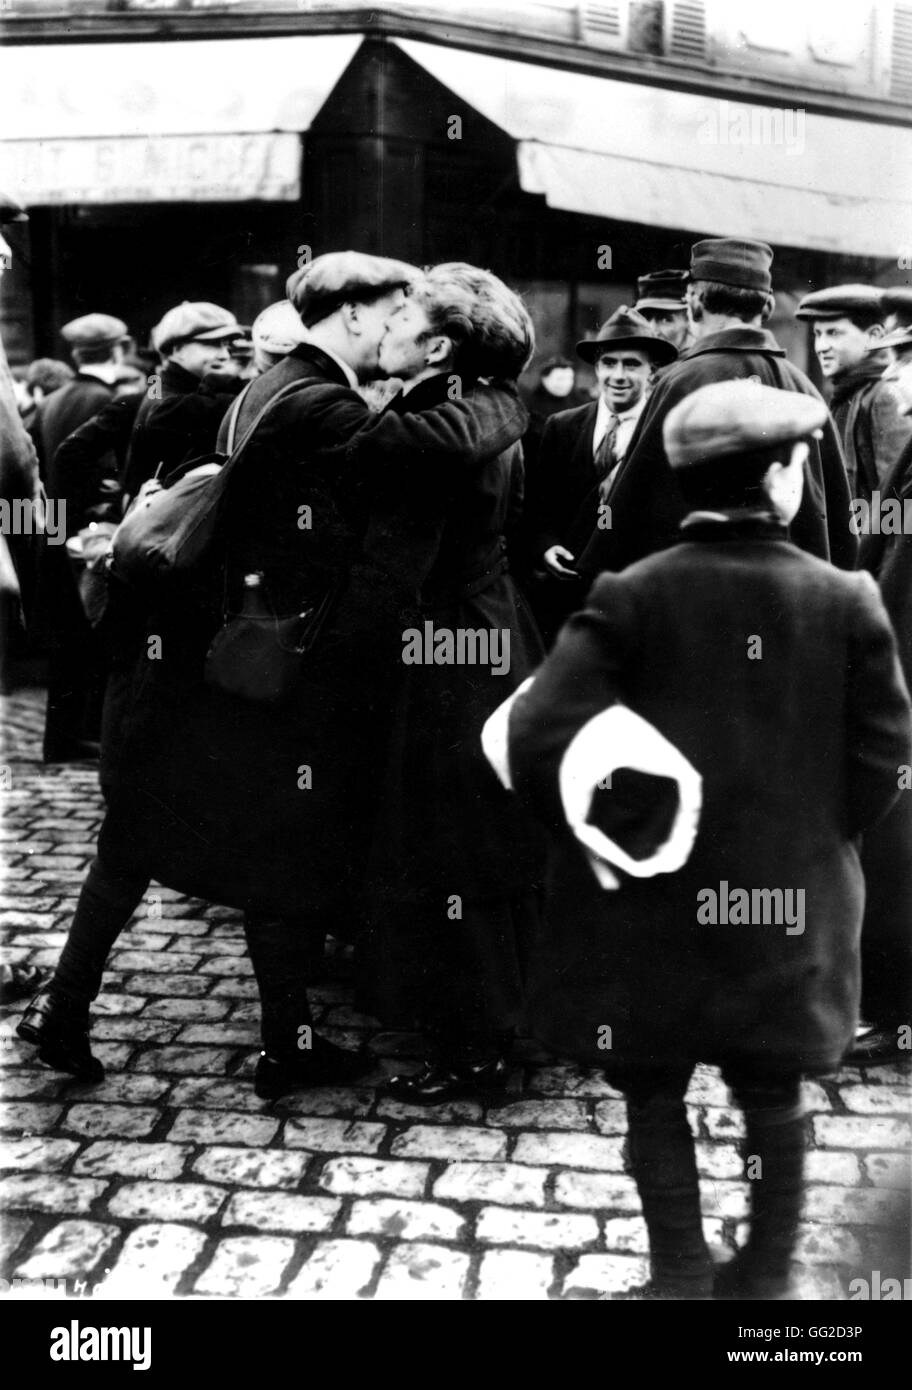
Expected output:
(639, 153)
(213, 120)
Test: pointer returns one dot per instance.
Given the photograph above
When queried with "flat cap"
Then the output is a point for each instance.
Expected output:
(627, 328)
(206, 323)
(94, 331)
(344, 277)
(10, 210)
(729, 418)
(840, 301)
(278, 329)
(897, 303)
(662, 289)
(728, 261)
(898, 335)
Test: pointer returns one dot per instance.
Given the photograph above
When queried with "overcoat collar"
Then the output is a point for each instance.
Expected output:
(845, 384)
(742, 339)
(428, 393)
(312, 356)
(734, 524)
(177, 381)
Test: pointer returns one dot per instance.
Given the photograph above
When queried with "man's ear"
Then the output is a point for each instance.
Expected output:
(877, 330)
(351, 317)
(440, 348)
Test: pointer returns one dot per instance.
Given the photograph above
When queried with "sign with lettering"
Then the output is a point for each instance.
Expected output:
(153, 169)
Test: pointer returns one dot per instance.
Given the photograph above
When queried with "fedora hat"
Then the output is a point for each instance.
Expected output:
(627, 328)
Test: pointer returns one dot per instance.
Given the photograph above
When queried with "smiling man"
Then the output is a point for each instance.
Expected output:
(848, 323)
(186, 402)
(581, 451)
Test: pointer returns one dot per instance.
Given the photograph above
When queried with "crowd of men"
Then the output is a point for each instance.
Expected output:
(599, 492)
(703, 499)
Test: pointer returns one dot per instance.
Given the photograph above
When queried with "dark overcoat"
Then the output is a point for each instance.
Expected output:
(887, 849)
(454, 880)
(872, 431)
(90, 461)
(798, 752)
(446, 825)
(246, 804)
(646, 502)
(76, 665)
(63, 411)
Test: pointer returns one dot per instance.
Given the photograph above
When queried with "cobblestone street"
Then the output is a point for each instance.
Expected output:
(171, 1178)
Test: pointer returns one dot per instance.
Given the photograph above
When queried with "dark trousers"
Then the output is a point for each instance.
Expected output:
(77, 672)
(664, 1166)
(283, 953)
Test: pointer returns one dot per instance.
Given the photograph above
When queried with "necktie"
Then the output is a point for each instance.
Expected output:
(605, 458)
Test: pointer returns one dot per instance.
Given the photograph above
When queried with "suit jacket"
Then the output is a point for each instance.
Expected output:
(560, 481)
(646, 502)
(798, 752)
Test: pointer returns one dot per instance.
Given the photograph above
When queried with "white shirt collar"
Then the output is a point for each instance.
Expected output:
(605, 412)
(107, 372)
(625, 428)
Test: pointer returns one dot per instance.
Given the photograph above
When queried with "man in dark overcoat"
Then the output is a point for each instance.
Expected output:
(98, 344)
(848, 325)
(776, 677)
(730, 298)
(76, 662)
(184, 404)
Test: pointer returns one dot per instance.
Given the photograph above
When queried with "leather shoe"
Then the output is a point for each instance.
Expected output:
(59, 1026)
(322, 1064)
(878, 1044)
(437, 1082)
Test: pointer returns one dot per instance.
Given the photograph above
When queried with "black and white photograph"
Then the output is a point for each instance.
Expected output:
(456, 621)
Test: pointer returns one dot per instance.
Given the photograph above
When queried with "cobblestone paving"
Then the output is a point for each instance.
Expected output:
(171, 1178)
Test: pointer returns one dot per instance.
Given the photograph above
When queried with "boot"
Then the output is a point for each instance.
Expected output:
(293, 1057)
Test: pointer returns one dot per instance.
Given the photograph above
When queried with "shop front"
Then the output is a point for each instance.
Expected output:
(206, 168)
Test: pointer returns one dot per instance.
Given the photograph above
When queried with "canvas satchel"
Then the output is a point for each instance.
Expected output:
(167, 534)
